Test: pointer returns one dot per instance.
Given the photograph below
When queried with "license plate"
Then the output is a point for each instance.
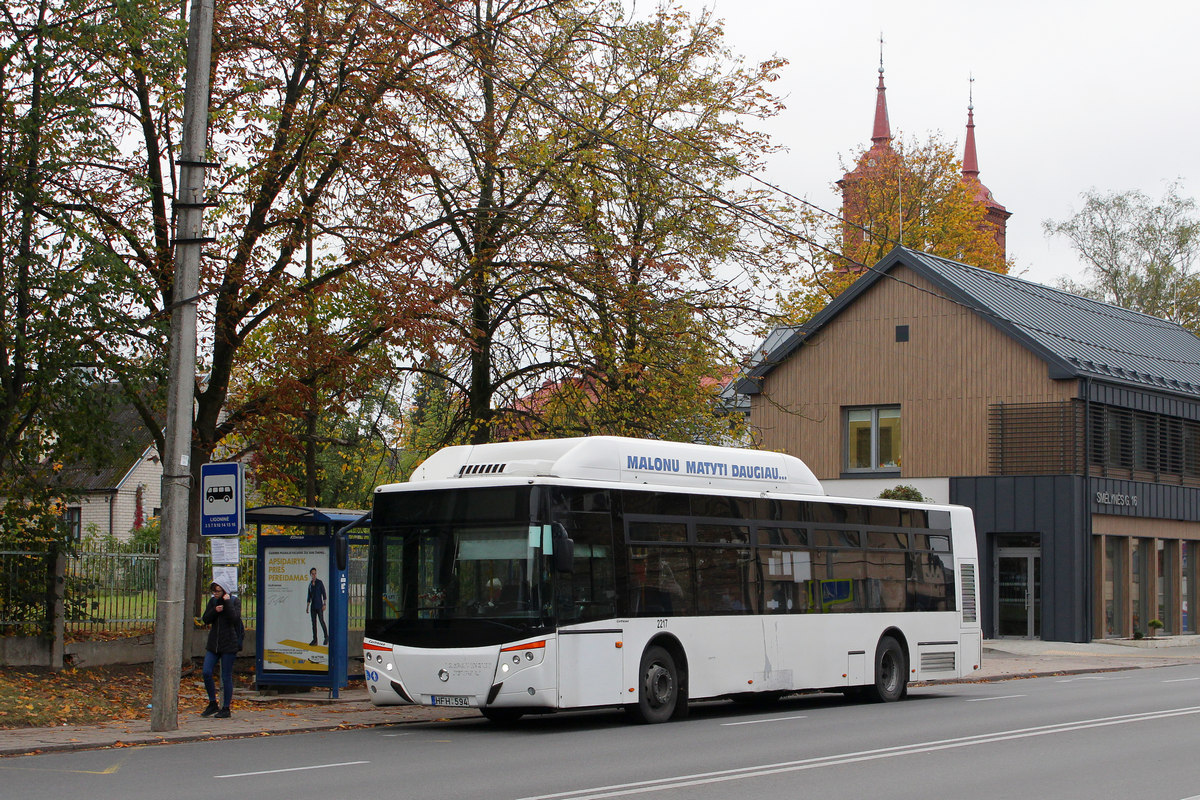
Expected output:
(453, 700)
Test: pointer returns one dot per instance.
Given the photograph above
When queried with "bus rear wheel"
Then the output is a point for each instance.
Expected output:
(658, 687)
(891, 672)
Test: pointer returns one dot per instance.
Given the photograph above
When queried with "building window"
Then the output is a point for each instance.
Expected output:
(873, 439)
(73, 520)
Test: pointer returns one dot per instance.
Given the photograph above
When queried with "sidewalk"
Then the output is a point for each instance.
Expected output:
(255, 715)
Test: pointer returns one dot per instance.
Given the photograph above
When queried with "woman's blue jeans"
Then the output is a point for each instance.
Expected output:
(210, 662)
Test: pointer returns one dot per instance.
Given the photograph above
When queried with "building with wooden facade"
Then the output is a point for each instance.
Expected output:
(1070, 426)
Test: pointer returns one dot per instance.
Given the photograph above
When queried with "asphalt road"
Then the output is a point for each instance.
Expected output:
(1130, 734)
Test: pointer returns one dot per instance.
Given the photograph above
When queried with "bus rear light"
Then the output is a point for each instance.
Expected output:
(531, 646)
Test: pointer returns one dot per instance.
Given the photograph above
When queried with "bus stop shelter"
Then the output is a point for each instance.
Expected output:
(303, 595)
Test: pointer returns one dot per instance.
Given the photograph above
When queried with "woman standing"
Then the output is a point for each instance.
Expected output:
(223, 615)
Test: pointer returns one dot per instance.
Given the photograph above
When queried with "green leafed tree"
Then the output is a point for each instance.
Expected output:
(51, 406)
(601, 244)
(1139, 253)
(669, 241)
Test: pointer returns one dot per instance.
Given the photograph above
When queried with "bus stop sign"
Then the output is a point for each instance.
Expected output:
(222, 499)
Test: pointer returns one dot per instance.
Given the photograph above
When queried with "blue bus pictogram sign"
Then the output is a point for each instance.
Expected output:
(222, 500)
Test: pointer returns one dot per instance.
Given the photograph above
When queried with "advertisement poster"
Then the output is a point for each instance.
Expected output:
(296, 609)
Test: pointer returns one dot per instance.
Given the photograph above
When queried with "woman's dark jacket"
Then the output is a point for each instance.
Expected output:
(225, 633)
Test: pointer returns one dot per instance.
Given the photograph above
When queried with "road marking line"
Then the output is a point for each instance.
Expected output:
(1184, 680)
(1090, 678)
(1002, 697)
(756, 721)
(763, 770)
(291, 769)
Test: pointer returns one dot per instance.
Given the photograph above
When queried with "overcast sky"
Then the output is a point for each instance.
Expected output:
(1069, 95)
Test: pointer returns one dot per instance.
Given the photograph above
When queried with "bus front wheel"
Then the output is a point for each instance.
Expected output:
(891, 672)
(658, 687)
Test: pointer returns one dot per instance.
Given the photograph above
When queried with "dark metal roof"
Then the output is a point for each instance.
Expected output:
(1075, 336)
(124, 441)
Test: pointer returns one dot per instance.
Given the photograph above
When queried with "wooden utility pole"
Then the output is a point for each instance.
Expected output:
(176, 481)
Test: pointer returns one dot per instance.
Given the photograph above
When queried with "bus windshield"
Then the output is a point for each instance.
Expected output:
(459, 572)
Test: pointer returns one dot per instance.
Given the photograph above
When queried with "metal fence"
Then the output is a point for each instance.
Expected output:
(112, 590)
(26, 586)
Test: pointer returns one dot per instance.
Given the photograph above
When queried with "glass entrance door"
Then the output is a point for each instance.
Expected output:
(1018, 593)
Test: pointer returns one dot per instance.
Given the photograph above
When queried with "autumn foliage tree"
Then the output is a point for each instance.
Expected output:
(585, 163)
(909, 193)
(535, 191)
(914, 194)
(668, 244)
(308, 145)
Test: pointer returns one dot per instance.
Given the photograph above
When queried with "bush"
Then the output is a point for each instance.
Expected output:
(903, 492)
(145, 538)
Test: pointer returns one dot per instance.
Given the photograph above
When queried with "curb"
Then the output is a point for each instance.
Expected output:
(151, 739)
(100, 742)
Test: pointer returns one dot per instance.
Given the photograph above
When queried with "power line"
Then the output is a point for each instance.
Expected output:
(765, 221)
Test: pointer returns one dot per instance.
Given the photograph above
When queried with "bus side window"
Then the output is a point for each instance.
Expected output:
(725, 581)
(786, 577)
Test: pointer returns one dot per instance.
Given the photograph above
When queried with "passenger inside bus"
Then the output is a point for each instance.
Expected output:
(651, 588)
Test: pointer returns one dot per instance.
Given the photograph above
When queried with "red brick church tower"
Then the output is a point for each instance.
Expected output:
(881, 155)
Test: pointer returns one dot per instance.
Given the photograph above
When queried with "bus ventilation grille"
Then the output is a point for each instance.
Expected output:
(969, 612)
(481, 469)
(937, 662)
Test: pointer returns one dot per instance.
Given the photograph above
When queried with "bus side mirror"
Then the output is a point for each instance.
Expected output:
(341, 541)
(341, 550)
(564, 549)
(564, 555)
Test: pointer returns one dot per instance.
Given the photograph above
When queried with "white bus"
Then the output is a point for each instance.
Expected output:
(528, 577)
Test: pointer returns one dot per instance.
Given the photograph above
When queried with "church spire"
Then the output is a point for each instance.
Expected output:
(882, 132)
(996, 215)
(970, 168)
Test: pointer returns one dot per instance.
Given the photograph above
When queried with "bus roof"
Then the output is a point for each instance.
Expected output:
(621, 460)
